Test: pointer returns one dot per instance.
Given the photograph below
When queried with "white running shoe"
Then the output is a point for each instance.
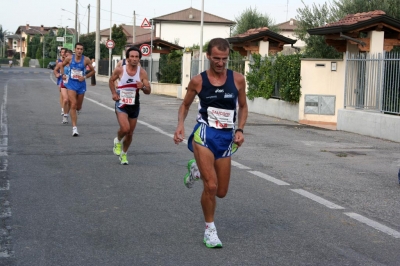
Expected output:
(62, 111)
(192, 175)
(65, 119)
(75, 132)
(211, 238)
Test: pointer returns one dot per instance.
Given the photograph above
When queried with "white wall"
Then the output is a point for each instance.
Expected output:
(290, 34)
(188, 35)
(321, 80)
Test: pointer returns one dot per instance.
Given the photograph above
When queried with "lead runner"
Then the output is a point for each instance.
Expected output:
(215, 137)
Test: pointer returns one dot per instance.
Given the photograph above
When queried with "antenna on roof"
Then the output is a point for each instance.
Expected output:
(287, 9)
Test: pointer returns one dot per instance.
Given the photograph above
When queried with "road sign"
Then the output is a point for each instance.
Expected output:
(145, 49)
(145, 24)
(60, 39)
(110, 44)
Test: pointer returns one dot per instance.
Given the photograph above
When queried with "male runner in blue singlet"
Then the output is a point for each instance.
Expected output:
(76, 82)
(215, 137)
(132, 78)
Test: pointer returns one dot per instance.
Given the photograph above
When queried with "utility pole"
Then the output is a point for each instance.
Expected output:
(110, 50)
(97, 47)
(76, 21)
(201, 37)
(134, 28)
(88, 19)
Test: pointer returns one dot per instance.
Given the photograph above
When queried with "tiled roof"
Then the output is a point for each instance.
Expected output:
(355, 18)
(251, 32)
(193, 15)
(258, 34)
(289, 25)
(128, 30)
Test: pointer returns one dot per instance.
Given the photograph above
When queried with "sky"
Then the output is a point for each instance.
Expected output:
(50, 14)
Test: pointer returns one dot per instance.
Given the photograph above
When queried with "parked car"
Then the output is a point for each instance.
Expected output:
(51, 65)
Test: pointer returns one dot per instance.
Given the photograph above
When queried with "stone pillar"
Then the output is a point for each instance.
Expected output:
(186, 67)
(246, 70)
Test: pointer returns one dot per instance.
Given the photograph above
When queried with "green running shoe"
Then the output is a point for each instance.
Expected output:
(192, 175)
(211, 238)
(123, 158)
(117, 147)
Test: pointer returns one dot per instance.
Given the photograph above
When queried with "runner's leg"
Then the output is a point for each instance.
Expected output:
(72, 97)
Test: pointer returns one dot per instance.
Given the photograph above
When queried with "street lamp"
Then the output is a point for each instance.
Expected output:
(43, 43)
(76, 26)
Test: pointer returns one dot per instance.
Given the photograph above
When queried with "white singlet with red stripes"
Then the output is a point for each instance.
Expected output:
(129, 82)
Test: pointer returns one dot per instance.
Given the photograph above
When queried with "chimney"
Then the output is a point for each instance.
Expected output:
(27, 27)
(41, 28)
(291, 22)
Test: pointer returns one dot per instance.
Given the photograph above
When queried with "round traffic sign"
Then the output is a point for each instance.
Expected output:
(145, 49)
(110, 44)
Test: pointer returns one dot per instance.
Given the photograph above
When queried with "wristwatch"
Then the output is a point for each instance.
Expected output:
(144, 87)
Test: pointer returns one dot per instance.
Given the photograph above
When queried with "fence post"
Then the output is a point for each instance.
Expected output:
(246, 70)
(186, 68)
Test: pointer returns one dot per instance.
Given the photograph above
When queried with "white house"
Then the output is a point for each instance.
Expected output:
(183, 27)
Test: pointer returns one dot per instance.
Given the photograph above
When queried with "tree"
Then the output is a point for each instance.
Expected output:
(341, 8)
(89, 41)
(319, 15)
(33, 46)
(119, 38)
(251, 19)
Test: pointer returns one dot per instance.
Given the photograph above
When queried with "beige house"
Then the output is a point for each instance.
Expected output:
(287, 29)
(17, 42)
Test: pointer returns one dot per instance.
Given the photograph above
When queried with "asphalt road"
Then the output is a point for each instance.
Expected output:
(299, 195)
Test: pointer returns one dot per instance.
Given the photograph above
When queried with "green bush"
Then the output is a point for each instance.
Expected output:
(282, 71)
(26, 61)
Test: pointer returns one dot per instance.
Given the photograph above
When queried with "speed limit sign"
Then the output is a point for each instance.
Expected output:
(145, 49)
(110, 44)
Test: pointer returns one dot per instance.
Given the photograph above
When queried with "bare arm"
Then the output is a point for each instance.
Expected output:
(240, 83)
(144, 82)
(91, 69)
(193, 88)
(56, 70)
(111, 82)
(65, 62)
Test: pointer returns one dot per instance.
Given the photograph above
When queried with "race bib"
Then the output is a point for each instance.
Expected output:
(76, 73)
(66, 79)
(127, 97)
(220, 118)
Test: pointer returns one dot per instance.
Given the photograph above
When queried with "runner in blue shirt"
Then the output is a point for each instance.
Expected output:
(76, 82)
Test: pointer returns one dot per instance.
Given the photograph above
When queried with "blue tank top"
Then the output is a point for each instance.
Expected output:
(59, 78)
(66, 73)
(223, 98)
(76, 69)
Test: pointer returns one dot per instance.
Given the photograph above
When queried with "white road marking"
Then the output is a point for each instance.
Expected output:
(240, 166)
(269, 178)
(373, 224)
(302, 192)
(315, 198)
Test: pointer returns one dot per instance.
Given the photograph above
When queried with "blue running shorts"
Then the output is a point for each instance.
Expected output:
(219, 141)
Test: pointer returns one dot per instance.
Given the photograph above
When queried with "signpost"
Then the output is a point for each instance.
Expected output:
(145, 49)
(110, 44)
(145, 24)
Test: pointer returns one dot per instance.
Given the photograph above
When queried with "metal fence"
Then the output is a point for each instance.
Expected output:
(104, 66)
(236, 65)
(372, 82)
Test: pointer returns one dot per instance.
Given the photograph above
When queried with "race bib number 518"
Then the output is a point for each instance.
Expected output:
(220, 118)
